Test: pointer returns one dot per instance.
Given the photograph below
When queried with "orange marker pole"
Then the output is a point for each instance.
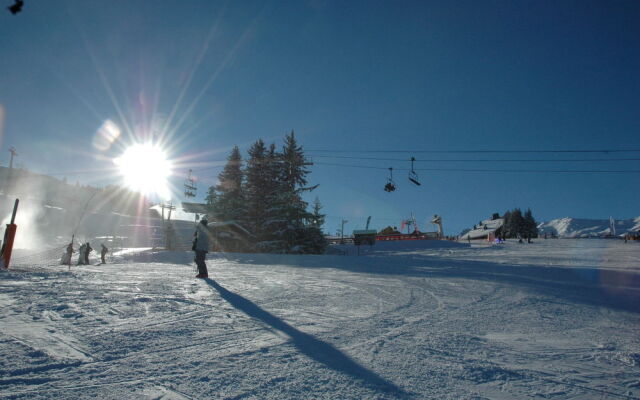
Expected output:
(9, 237)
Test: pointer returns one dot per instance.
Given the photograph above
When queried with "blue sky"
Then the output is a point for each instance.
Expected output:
(348, 77)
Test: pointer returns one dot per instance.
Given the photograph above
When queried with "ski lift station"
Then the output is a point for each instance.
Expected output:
(370, 236)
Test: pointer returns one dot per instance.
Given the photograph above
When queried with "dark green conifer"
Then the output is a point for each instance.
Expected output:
(230, 202)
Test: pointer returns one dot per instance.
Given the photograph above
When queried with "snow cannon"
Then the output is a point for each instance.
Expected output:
(9, 237)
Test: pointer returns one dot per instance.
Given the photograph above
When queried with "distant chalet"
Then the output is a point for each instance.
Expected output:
(488, 229)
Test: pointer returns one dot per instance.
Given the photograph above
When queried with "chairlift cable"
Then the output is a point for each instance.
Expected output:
(477, 151)
(482, 160)
(482, 170)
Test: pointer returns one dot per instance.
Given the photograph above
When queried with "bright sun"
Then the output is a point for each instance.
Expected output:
(145, 169)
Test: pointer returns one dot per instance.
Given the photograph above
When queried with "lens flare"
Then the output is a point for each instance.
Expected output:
(145, 169)
(108, 133)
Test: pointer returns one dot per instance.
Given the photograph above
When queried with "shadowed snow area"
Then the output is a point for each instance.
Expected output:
(554, 319)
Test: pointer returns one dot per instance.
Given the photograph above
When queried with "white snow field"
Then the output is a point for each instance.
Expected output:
(555, 319)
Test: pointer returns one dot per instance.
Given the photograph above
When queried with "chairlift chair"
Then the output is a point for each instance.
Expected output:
(390, 186)
(413, 176)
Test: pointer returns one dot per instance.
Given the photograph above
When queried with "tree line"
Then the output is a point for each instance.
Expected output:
(519, 225)
(264, 195)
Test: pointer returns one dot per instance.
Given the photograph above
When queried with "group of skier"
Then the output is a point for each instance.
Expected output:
(83, 254)
(200, 247)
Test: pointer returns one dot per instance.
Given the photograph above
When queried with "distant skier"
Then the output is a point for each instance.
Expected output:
(201, 247)
(88, 249)
(103, 253)
(81, 254)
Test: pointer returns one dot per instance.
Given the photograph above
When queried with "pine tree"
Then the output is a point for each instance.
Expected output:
(212, 196)
(256, 189)
(230, 202)
(517, 224)
(317, 218)
(294, 163)
(312, 241)
(506, 227)
(530, 223)
(275, 199)
(211, 200)
(273, 209)
(294, 172)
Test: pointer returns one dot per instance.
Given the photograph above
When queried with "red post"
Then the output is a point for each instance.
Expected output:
(9, 237)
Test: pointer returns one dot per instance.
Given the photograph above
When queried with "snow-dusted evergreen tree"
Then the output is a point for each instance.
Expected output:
(300, 236)
(294, 163)
(531, 226)
(230, 202)
(269, 200)
(211, 200)
(516, 225)
(317, 218)
(275, 198)
(211, 196)
(310, 240)
(256, 189)
(507, 225)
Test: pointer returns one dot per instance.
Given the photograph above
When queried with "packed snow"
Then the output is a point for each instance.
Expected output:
(552, 319)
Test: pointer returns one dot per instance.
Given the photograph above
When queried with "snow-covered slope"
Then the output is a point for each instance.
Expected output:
(553, 319)
(576, 227)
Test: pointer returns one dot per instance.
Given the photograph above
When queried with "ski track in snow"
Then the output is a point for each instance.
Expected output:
(555, 319)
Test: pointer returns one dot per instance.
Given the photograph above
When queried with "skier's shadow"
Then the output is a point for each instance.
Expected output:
(310, 346)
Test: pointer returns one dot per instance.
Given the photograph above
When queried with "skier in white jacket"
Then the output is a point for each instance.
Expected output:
(201, 247)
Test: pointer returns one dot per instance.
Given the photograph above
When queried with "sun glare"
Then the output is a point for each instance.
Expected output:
(145, 169)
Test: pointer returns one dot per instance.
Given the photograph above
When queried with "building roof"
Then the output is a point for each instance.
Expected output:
(196, 208)
(485, 228)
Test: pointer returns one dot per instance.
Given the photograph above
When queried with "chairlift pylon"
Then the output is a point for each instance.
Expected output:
(413, 176)
(390, 186)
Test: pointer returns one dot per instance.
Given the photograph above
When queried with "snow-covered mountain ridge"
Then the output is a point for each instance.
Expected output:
(581, 227)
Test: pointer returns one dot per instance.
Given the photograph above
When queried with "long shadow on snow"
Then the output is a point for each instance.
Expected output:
(310, 346)
(587, 285)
